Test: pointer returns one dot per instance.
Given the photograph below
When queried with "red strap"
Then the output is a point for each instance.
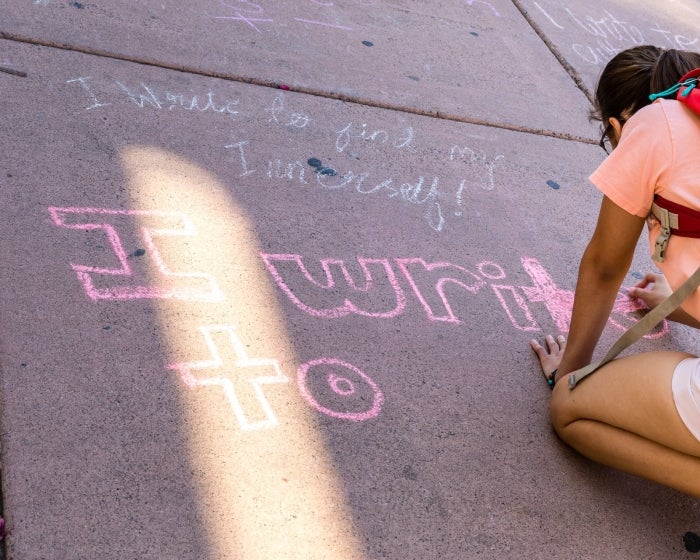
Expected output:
(692, 74)
(690, 98)
(688, 218)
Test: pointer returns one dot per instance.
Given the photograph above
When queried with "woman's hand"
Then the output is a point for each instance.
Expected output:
(652, 289)
(551, 355)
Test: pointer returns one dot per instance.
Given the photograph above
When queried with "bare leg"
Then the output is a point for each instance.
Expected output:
(624, 416)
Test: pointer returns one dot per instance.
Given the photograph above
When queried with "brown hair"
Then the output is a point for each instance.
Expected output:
(628, 79)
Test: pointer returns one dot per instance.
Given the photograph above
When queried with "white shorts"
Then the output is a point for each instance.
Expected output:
(686, 393)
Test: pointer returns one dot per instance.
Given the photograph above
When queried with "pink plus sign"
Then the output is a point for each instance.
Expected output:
(227, 375)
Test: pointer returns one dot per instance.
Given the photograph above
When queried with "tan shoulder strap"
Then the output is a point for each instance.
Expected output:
(643, 326)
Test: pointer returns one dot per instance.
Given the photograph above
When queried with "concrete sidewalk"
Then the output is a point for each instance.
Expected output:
(271, 269)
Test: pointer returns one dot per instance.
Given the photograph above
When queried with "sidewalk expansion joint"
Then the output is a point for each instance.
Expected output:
(299, 89)
(570, 70)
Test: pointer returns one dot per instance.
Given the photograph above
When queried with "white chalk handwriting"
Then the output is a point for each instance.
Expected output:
(487, 4)
(256, 18)
(83, 81)
(471, 168)
(420, 189)
(280, 115)
(610, 34)
(147, 96)
(480, 164)
(352, 133)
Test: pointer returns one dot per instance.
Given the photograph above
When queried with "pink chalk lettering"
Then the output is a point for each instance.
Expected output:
(345, 381)
(429, 282)
(119, 281)
(237, 371)
(625, 313)
(509, 297)
(341, 385)
(425, 278)
(519, 314)
(560, 302)
(293, 278)
(246, 5)
(491, 270)
(557, 301)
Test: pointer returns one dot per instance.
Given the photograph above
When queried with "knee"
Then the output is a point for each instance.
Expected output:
(561, 410)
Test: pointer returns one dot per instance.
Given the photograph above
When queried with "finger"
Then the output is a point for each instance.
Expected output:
(540, 350)
(552, 344)
(649, 278)
(561, 340)
(544, 355)
(644, 282)
(635, 291)
(641, 292)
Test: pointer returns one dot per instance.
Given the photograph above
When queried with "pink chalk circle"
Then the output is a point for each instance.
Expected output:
(336, 381)
(625, 312)
(341, 386)
(499, 273)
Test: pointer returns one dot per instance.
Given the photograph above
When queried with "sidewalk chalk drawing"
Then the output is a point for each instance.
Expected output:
(227, 375)
(435, 276)
(428, 282)
(331, 386)
(256, 18)
(352, 134)
(347, 383)
(275, 266)
(147, 96)
(117, 282)
(605, 34)
(465, 169)
(488, 5)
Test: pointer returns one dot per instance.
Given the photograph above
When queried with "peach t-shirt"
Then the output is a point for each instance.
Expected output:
(659, 152)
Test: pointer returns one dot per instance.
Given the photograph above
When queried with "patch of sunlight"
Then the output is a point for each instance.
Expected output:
(267, 488)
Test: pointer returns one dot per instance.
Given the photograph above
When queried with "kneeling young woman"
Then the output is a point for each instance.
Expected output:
(639, 414)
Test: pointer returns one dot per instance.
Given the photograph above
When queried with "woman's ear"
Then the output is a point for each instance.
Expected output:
(617, 131)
